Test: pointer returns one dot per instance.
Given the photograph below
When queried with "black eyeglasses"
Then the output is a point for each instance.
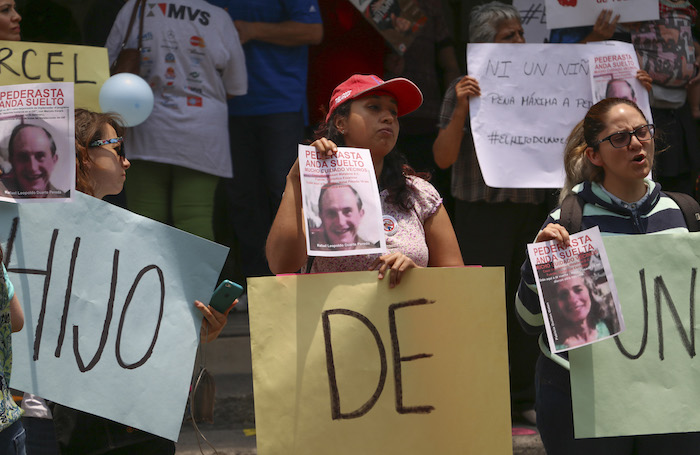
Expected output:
(115, 140)
(623, 138)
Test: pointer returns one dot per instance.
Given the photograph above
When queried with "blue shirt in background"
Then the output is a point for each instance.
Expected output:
(276, 74)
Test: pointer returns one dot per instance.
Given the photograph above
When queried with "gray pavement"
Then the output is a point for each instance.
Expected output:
(233, 441)
(226, 441)
(233, 431)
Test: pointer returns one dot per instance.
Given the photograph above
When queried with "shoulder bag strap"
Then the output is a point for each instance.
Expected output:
(689, 207)
(571, 213)
(141, 4)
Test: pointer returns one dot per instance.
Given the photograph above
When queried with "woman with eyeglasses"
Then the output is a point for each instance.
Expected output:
(608, 158)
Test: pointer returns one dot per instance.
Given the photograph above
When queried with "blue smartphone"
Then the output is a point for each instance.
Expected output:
(224, 295)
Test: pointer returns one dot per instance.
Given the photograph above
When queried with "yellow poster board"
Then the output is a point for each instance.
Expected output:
(25, 62)
(344, 365)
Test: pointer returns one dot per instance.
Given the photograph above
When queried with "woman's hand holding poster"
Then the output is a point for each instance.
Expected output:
(575, 13)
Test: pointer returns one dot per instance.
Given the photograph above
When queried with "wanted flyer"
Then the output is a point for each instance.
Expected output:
(37, 142)
(398, 21)
(577, 291)
(342, 209)
(614, 75)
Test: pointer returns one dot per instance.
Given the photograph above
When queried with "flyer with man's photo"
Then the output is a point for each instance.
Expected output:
(614, 75)
(37, 142)
(577, 292)
(342, 209)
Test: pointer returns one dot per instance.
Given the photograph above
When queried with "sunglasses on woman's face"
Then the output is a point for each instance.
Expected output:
(115, 140)
(623, 138)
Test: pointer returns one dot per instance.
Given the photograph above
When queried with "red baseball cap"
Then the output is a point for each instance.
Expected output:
(407, 94)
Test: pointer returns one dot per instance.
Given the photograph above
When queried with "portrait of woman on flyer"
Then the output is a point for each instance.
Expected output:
(576, 315)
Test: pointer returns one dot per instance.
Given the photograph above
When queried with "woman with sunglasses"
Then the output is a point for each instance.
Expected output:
(607, 159)
(99, 150)
(100, 171)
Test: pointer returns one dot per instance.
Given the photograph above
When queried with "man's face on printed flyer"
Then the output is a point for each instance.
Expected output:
(341, 215)
(32, 159)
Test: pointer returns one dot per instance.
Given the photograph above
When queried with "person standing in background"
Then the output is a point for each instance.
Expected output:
(267, 124)
(192, 61)
(429, 62)
(666, 51)
(350, 46)
(493, 225)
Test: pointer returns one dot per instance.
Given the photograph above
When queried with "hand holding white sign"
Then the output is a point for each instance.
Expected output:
(576, 13)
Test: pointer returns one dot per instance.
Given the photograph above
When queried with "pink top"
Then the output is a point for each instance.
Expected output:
(403, 230)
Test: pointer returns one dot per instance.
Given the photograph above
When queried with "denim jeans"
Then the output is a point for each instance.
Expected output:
(12, 440)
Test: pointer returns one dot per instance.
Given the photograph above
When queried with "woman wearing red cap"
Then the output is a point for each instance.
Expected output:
(363, 112)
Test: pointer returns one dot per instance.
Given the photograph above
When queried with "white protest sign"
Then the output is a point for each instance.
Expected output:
(533, 20)
(532, 95)
(110, 325)
(576, 13)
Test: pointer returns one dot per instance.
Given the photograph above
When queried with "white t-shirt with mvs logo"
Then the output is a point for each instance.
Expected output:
(192, 59)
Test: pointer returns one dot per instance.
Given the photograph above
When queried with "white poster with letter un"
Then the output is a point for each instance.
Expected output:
(532, 96)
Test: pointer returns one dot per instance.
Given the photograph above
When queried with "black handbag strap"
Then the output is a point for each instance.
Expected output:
(140, 5)
(690, 208)
(571, 213)
(309, 263)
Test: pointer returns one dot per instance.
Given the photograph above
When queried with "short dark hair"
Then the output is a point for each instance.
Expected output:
(22, 126)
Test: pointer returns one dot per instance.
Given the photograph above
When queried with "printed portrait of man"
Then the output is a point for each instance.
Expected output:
(620, 88)
(33, 156)
(341, 213)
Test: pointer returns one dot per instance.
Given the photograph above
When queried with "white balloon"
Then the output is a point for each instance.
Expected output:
(129, 96)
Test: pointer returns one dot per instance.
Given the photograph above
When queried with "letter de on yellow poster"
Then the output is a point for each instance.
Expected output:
(344, 365)
(25, 62)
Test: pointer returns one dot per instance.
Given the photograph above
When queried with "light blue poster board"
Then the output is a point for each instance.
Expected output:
(645, 381)
(110, 324)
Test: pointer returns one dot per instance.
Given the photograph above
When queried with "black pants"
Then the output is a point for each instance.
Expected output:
(263, 149)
